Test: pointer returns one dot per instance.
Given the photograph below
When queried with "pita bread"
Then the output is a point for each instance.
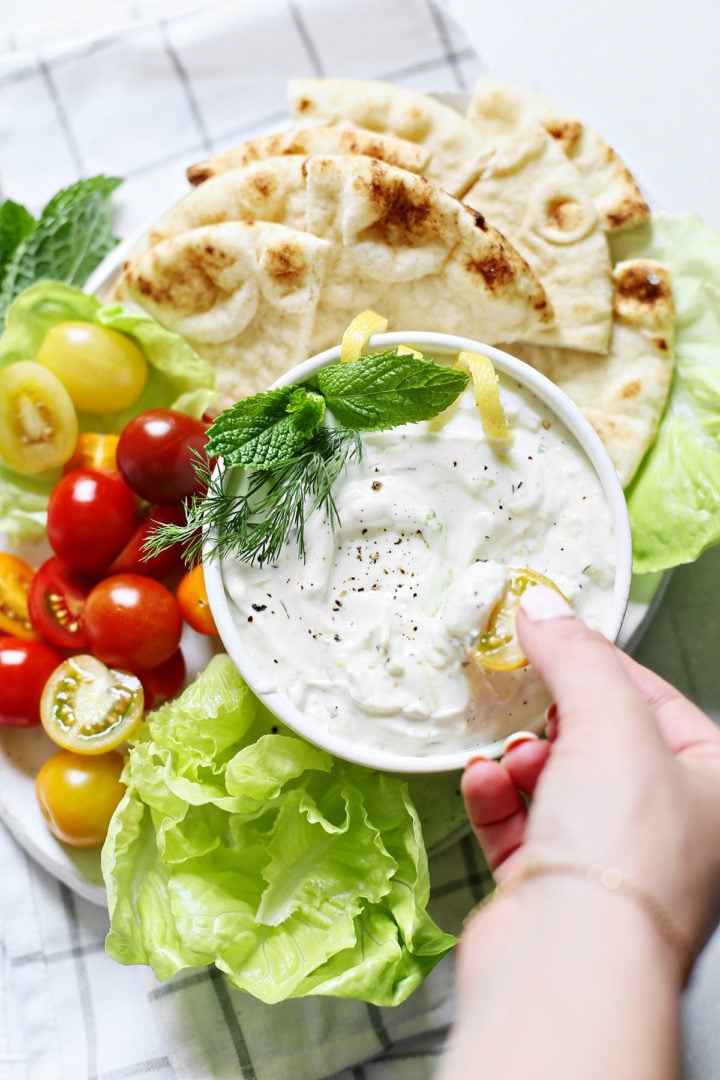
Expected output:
(624, 393)
(244, 295)
(318, 140)
(455, 145)
(529, 190)
(498, 108)
(403, 246)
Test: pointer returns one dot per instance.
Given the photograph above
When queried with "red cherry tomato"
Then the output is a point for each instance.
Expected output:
(91, 516)
(194, 604)
(55, 602)
(132, 622)
(164, 682)
(156, 454)
(25, 667)
(132, 558)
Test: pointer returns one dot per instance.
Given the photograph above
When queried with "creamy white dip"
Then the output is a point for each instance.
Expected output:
(371, 636)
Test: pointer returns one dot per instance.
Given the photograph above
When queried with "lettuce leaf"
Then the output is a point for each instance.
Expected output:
(674, 500)
(240, 845)
(178, 379)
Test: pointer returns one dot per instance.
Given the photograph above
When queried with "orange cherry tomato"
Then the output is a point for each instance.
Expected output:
(94, 451)
(193, 600)
(78, 794)
(15, 578)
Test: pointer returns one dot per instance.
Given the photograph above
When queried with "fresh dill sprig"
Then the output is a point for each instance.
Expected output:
(289, 459)
(254, 524)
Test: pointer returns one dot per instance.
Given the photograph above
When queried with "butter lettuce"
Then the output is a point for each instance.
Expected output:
(674, 500)
(178, 379)
(239, 844)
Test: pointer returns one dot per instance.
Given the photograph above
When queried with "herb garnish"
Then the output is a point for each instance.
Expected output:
(289, 458)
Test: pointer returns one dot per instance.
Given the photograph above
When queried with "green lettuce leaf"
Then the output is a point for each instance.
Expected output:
(240, 845)
(674, 500)
(178, 379)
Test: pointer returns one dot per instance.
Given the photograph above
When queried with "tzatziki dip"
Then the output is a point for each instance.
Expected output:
(372, 636)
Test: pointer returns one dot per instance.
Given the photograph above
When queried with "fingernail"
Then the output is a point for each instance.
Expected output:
(540, 603)
(517, 738)
(551, 721)
(476, 757)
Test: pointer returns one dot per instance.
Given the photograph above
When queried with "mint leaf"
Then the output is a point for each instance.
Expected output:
(71, 237)
(384, 390)
(15, 224)
(267, 429)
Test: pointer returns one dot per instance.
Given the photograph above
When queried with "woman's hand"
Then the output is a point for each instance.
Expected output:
(629, 777)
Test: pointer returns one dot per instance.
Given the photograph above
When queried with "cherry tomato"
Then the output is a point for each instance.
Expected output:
(498, 648)
(25, 667)
(156, 451)
(38, 423)
(91, 516)
(93, 451)
(103, 371)
(132, 622)
(78, 795)
(133, 560)
(55, 601)
(90, 708)
(194, 604)
(15, 578)
(165, 682)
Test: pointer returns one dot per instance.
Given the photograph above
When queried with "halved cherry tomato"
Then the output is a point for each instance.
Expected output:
(132, 622)
(25, 667)
(156, 454)
(94, 451)
(90, 708)
(498, 648)
(15, 578)
(91, 516)
(78, 795)
(102, 370)
(38, 422)
(193, 600)
(132, 558)
(55, 601)
(165, 682)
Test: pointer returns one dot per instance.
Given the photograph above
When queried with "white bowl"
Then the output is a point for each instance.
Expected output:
(352, 748)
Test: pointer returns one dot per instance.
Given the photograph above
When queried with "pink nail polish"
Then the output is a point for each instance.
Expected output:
(540, 603)
(517, 738)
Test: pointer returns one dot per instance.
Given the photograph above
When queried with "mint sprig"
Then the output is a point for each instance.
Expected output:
(70, 238)
(291, 459)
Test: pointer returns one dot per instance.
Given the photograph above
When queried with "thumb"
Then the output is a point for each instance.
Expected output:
(580, 668)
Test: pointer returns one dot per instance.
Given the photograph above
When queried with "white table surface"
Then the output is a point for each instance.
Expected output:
(648, 75)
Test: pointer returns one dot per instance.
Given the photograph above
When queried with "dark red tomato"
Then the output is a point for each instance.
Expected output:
(164, 682)
(156, 454)
(91, 516)
(132, 622)
(25, 667)
(55, 602)
(132, 558)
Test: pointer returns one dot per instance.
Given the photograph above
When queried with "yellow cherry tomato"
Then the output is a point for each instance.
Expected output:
(78, 795)
(38, 423)
(15, 578)
(103, 371)
(90, 708)
(498, 647)
(193, 600)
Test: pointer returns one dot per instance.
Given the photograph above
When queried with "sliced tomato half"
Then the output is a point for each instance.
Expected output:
(498, 648)
(90, 708)
(15, 578)
(55, 602)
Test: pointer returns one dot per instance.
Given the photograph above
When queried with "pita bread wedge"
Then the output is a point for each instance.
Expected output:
(497, 108)
(530, 191)
(317, 140)
(622, 394)
(243, 294)
(455, 145)
(403, 246)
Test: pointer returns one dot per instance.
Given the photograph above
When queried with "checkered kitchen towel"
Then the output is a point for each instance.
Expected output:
(139, 92)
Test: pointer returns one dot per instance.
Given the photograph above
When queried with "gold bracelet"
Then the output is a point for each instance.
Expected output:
(613, 880)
